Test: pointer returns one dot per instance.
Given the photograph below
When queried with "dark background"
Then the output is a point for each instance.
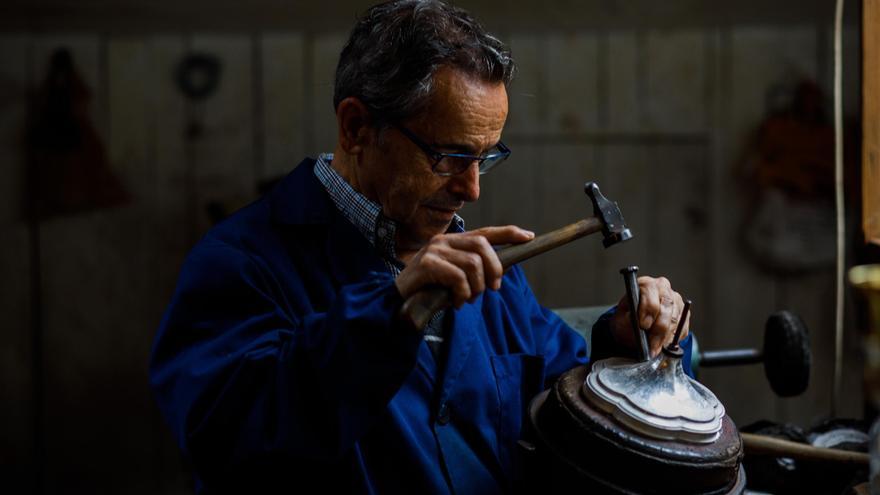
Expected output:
(659, 102)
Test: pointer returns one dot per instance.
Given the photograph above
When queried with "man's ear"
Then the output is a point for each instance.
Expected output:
(354, 125)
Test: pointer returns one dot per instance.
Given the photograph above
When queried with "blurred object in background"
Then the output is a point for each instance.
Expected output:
(785, 475)
(198, 77)
(68, 170)
(866, 280)
(796, 144)
(791, 168)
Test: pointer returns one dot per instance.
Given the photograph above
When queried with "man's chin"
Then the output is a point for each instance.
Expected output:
(422, 233)
(425, 234)
(437, 219)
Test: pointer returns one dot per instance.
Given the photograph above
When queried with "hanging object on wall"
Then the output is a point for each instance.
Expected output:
(68, 171)
(791, 225)
(198, 76)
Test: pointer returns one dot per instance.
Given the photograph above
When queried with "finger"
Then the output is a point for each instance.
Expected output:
(649, 301)
(655, 344)
(507, 234)
(667, 318)
(491, 265)
(663, 331)
(471, 264)
(443, 272)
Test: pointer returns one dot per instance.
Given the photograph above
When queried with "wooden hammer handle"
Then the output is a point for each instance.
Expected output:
(418, 310)
(551, 240)
(764, 445)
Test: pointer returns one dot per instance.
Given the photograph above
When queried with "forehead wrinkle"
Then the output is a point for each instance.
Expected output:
(465, 113)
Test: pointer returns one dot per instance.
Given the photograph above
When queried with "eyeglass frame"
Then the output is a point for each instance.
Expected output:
(438, 156)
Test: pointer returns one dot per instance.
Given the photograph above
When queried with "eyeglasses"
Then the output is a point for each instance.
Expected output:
(448, 164)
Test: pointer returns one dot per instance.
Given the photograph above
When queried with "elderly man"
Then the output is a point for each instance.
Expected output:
(280, 362)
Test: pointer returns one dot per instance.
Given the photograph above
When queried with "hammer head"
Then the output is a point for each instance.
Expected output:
(613, 228)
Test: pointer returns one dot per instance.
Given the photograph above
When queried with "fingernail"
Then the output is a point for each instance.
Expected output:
(530, 233)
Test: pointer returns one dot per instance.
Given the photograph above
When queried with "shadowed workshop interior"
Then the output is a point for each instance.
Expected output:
(709, 123)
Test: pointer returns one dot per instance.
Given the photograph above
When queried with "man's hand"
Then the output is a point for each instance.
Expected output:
(465, 263)
(659, 310)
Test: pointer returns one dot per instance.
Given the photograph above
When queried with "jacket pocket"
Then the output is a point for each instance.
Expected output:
(519, 378)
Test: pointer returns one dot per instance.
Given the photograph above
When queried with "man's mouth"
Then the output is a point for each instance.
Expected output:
(445, 208)
(441, 214)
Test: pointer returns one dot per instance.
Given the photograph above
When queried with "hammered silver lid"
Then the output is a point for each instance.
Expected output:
(655, 398)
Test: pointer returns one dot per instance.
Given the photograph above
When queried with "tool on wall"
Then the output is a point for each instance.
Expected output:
(198, 76)
(68, 171)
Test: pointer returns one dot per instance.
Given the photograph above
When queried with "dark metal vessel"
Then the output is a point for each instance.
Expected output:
(571, 442)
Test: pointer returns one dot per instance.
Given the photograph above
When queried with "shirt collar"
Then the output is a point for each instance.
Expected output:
(364, 214)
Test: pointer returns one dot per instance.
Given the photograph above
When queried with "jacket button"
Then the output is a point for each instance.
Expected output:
(443, 414)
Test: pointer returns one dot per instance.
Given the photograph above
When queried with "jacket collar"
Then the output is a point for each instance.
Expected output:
(300, 199)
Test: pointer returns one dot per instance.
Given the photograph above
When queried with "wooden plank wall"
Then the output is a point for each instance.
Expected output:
(16, 356)
(658, 118)
(871, 136)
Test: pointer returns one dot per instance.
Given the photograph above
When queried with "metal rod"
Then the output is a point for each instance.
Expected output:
(709, 359)
(682, 318)
(632, 292)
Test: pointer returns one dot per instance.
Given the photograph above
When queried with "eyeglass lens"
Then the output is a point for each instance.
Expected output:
(456, 165)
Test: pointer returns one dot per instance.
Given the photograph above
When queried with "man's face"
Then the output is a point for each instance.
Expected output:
(464, 116)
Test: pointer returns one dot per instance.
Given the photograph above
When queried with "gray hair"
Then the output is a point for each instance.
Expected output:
(396, 47)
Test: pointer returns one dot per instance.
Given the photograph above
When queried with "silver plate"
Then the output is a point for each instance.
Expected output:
(655, 398)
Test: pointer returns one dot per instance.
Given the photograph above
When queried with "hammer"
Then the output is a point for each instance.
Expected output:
(418, 310)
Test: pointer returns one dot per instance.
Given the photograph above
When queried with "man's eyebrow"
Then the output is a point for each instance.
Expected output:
(461, 148)
(457, 147)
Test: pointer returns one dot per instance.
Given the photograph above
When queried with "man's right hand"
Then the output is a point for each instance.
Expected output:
(464, 263)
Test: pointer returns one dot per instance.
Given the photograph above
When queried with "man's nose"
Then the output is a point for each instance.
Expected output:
(466, 185)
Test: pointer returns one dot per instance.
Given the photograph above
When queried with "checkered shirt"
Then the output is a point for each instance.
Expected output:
(378, 229)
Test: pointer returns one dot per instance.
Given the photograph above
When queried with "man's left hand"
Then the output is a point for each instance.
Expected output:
(659, 310)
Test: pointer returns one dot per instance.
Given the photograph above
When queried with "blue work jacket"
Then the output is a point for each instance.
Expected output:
(279, 363)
